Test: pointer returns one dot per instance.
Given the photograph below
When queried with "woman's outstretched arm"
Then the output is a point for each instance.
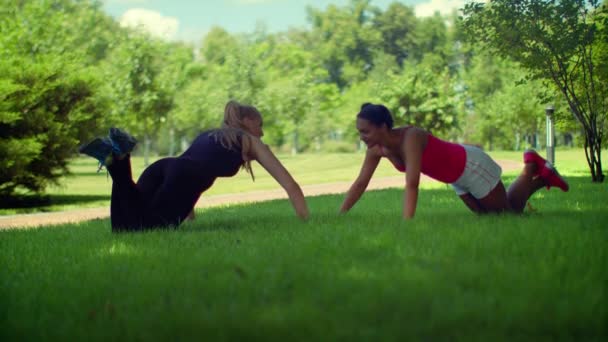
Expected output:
(260, 152)
(372, 158)
(412, 147)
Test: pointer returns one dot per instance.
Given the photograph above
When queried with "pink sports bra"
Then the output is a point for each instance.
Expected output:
(441, 160)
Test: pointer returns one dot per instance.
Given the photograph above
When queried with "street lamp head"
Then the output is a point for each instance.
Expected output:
(549, 110)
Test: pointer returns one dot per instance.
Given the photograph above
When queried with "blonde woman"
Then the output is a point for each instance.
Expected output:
(167, 190)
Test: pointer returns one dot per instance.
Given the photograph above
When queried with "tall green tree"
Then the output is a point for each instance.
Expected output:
(218, 45)
(506, 111)
(418, 96)
(296, 98)
(345, 40)
(178, 69)
(143, 100)
(397, 27)
(200, 104)
(78, 30)
(231, 71)
(431, 36)
(556, 41)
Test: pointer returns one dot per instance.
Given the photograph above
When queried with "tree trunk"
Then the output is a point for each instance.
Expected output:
(171, 142)
(490, 142)
(294, 148)
(593, 152)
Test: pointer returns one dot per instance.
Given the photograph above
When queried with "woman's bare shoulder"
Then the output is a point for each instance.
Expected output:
(413, 131)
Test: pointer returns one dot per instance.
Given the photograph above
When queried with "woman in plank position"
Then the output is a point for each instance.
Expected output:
(166, 191)
(472, 173)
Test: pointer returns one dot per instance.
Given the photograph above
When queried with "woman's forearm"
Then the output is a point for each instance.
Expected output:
(410, 202)
(352, 196)
(298, 201)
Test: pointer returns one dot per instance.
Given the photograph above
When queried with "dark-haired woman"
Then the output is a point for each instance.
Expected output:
(168, 189)
(472, 173)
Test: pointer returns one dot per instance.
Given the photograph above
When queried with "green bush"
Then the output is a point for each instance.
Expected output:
(47, 107)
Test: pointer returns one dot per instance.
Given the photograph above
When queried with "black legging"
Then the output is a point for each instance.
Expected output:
(164, 195)
(167, 190)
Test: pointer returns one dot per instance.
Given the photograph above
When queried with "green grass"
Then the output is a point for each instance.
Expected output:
(256, 272)
(87, 188)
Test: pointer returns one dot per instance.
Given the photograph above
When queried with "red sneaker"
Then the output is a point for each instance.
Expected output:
(550, 175)
(531, 156)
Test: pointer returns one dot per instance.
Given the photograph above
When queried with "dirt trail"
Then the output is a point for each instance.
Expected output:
(79, 215)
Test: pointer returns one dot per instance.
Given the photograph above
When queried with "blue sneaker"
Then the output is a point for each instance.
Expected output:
(99, 148)
(122, 142)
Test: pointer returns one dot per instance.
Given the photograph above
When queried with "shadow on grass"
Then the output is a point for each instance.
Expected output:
(91, 173)
(37, 203)
(75, 199)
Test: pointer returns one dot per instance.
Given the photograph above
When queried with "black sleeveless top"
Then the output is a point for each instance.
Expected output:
(214, 159)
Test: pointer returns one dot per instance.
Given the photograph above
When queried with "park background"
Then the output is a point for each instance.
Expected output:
(69, 71)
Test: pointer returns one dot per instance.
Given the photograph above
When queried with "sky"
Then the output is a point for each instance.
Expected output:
(190, 20)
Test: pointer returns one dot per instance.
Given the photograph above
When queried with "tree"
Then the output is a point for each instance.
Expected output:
(200, 104)
(397, 28)
(295, 97)
(75, 29)
(178, 69)
(49, 88)
(46, 108)
(421, 97)
(217, 45)
(346, 40)
(504, 109)
(431, 37)
(143, 101)
(231, 71)
(555, 41)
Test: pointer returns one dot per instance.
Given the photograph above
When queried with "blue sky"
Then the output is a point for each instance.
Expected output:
(190, 20)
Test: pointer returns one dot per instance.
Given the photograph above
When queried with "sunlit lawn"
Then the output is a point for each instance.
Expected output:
(256, 272)
(87, 188)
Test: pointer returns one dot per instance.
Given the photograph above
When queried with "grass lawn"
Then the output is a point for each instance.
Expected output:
(256, 272)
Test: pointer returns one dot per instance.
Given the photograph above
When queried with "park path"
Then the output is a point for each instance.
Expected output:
(79, 215)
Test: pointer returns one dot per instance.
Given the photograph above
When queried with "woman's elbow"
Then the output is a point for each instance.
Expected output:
(292, 187)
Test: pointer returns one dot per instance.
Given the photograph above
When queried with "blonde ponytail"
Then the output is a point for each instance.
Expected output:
(235, 113)
(233, 134)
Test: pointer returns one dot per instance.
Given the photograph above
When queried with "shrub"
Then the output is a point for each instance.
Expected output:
(46, 109)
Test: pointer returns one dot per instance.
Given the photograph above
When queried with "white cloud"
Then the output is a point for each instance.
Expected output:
(150, 21)
(444, 7)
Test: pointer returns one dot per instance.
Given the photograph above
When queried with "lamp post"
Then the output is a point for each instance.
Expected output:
(550, 135)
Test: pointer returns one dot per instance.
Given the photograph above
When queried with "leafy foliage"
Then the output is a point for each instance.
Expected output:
(507, 106)
(45, 109)
(555, 42)
(308, 83)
